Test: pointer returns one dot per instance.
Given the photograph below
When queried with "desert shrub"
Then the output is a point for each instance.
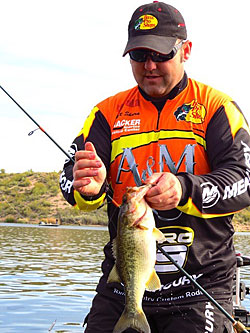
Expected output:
(7, 209)
(25, 183)
(39, 207)
(26, 211)
(39, 189)
(29, 173)
(10, 219)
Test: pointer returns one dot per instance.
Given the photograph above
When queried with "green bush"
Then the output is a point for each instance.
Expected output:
(26, 211)
(39, 189)
(10, 219)
(25, 183)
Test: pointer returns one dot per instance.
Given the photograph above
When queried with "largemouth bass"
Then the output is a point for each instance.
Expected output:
(134, 249)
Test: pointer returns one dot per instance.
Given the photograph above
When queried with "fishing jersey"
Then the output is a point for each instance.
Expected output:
(201, 136)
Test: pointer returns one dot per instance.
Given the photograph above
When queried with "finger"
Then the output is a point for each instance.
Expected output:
(86, 163)
(85, 172)
(162, 185)
(77, 184)
(152, 192)
(163, 202)
(154, 179)
(84, 154)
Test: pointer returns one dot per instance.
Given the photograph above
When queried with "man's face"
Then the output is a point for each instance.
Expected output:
(157, 79)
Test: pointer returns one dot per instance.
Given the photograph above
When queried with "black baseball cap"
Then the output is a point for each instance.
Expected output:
(155, 26)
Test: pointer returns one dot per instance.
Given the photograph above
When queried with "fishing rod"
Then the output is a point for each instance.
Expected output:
(240, 328)
(236, 324)
(39, 127)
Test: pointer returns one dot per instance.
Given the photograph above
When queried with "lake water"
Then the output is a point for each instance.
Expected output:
(48, 275)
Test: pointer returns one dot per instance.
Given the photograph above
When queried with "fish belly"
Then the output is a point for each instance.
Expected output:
(136, 260)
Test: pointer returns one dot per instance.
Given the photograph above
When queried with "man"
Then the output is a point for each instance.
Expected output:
(193, 143)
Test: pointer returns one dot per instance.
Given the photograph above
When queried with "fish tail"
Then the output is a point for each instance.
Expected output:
(137, 321)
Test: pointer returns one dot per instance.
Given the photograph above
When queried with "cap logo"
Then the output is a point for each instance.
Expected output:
(146, 22)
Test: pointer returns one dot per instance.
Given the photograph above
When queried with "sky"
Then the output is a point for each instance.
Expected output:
(59, 58)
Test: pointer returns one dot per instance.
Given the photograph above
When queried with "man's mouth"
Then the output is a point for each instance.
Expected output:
(152, 76)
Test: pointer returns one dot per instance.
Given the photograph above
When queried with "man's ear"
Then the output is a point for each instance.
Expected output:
(187, 46)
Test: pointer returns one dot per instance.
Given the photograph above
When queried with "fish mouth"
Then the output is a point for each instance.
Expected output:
(133, 198)
(137, 222)
(137, 193)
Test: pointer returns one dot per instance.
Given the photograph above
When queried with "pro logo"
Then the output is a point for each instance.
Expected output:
(178, 241)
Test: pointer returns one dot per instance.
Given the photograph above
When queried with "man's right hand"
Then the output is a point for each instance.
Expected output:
(89, 171)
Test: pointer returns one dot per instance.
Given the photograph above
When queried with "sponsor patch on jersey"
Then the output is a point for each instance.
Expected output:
(246, 150)
(126, 125)
(178, 241)
(146, 22)
(210, 195)
(191, 112)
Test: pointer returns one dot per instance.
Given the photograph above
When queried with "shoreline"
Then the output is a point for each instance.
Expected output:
(54, 224)
(237, 226)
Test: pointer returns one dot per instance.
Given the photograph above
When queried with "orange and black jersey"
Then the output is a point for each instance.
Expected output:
(200, 135)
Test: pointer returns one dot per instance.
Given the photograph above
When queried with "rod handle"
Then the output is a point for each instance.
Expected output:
(239, 327)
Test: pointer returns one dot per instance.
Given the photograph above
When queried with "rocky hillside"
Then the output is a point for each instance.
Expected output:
(32, 197)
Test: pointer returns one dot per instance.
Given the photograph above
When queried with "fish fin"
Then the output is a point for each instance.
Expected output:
(153, 282)
(142, 227)
(114, 275)
(137, 321)
(114, 248)
(159, 236)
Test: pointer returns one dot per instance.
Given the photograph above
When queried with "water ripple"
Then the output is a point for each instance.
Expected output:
(48, 276)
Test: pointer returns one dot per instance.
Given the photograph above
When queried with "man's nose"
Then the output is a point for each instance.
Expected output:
(150, 64)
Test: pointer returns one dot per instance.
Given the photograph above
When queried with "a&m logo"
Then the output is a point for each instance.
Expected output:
(191, 112)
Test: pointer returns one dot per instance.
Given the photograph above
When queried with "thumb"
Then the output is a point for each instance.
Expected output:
(90, 147)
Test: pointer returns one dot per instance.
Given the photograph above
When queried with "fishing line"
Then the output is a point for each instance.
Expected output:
(30, 133)
(236, 324)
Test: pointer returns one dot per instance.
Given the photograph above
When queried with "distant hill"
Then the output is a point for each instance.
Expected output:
(32, 197)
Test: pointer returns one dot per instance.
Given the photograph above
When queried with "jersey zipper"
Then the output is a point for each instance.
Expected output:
(158, 119)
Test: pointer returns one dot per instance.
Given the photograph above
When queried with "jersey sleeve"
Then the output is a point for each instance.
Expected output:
(97, 131)
(226, 189)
